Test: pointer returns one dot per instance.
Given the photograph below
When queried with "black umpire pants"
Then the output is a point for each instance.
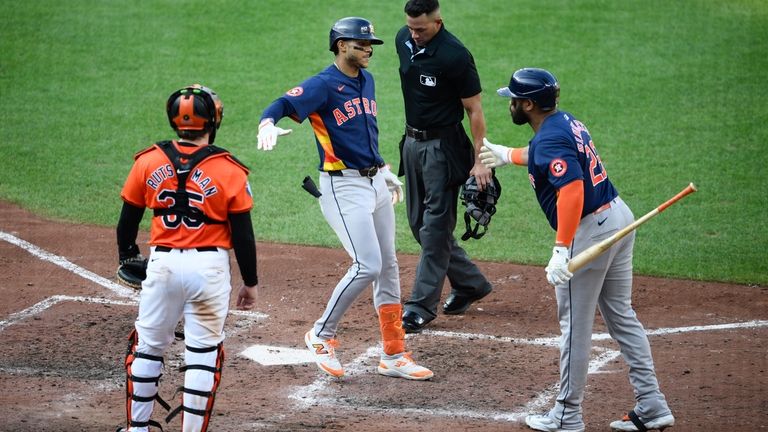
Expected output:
(431, 200)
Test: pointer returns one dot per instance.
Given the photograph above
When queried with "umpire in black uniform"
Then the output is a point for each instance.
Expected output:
(439, 82)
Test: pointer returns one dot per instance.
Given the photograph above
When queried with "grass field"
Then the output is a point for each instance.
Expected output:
(673, 92)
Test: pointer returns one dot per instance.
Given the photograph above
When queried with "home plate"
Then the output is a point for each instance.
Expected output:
(273, 355)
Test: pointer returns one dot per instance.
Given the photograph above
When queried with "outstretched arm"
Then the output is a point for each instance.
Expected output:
(495, 155)
(268, 132)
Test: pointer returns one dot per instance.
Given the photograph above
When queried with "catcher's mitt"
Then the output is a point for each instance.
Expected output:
(132, 271)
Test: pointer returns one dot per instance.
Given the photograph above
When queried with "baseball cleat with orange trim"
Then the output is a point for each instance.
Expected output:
(325, 354)
(404, 367)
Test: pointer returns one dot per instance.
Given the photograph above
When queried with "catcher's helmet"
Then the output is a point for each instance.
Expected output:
(195, 107)
(352, 28)
(536, 84)
(481, 205)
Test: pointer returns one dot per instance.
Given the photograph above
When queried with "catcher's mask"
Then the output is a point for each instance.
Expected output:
(481, 205)
(195, 108)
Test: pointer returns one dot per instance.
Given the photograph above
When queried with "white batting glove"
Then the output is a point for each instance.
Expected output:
(494, 155)
(394, 184)
(557, 269)
(268, 134)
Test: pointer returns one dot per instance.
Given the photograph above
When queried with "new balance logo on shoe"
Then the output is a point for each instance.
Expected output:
(320, 349)
(324, 353)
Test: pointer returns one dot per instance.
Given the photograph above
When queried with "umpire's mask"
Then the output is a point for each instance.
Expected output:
(481, 205)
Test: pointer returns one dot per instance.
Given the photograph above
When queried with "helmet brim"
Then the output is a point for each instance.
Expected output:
(506, 92)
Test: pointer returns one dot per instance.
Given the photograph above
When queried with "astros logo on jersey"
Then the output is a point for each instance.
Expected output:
(296, 91)
(558, 167)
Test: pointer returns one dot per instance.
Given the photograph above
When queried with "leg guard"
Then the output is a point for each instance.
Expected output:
(391, 325)
(202, 375)
(142, 377)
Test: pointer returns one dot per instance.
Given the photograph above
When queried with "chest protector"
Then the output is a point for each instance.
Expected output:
(183, 165)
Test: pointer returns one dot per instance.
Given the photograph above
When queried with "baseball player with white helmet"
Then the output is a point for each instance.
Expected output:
(357, 192)
(583, 207)
(201, 202)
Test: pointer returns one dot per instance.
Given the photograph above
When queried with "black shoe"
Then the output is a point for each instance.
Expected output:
(457, 304)
(413, 322)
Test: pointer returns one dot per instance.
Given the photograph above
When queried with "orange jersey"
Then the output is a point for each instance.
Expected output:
(217, 186)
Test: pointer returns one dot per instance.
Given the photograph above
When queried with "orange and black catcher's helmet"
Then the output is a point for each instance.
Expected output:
(195, 108)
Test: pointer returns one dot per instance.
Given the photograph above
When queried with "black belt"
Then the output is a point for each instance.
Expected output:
(365, 172)
(199, 249)
(430, 134)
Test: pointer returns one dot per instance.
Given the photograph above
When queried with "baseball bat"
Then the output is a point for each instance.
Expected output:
(586, 256)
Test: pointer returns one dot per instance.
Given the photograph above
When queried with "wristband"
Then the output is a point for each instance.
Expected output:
(516, 155)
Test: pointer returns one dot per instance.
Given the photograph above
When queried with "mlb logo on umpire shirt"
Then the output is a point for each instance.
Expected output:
(428, 81)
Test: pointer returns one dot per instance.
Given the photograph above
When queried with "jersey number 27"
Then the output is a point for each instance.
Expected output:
(596, 168)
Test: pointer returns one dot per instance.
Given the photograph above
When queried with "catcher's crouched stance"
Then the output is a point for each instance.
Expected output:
(201, 202)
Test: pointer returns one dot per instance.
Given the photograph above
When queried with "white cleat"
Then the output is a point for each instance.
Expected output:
(542, 422)
(627, 425)
(324, 353)
(404, 367)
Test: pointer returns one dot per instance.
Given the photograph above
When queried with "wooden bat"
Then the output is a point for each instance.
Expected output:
(586, 256)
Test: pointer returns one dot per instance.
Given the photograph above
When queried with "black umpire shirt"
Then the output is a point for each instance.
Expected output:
(435, 78)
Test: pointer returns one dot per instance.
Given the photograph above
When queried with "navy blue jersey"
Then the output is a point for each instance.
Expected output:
(562, 151)
(342, 112)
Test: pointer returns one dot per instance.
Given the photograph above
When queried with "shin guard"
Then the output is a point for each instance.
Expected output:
(202, 375)
(142, 377)
(391, 325)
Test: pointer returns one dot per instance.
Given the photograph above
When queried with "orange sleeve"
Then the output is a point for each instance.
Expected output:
(570, 203)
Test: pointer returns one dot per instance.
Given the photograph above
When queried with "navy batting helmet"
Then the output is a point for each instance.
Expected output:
(536, 84)
(352, 28)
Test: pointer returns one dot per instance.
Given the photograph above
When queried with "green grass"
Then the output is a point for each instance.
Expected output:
(672, 92)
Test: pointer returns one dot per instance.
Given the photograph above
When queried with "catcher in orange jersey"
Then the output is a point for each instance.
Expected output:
(201, 202)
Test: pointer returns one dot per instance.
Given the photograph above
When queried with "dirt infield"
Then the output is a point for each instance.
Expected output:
(63, 328)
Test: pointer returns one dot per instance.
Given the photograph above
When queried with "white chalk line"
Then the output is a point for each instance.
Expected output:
(66, 264)
(306, 394)
(114, 287)
(54, 300)
(310, 395)
(554, 341)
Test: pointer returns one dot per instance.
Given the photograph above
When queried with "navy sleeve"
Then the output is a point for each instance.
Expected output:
(560, 161)
(278, 109)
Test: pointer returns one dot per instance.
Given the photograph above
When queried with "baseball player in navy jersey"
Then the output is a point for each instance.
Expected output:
(583, 207)
(358, 192)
